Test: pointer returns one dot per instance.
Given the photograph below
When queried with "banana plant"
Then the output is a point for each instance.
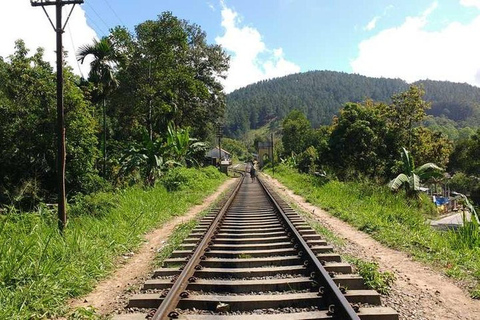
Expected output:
(150, 159)
(182, 148)
(411, 177)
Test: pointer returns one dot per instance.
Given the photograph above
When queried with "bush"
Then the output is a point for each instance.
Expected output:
(96, 204)
(181, 178)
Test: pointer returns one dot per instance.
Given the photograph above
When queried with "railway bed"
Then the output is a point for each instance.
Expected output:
(252, 258)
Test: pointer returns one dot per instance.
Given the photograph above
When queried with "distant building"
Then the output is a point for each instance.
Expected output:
(213, 155)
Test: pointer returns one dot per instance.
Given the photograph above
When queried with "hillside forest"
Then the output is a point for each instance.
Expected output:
(355, 127)
(454, 107)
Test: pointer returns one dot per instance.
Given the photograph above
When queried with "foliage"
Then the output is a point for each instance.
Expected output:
(412, 176)
(364, 138)
(172, 75)
(307, 160)
(469, 185)
(406, 110)
(183, 178)
(41, 270)
(296, 132)
(152, 158)
(321, 94)
(373, 277)
(103, 77)
(236, 148)
(102, 67)
(28, 131)
(359, 140)
(466, 155)
(393, 220)
(146, 160)
(95, 204)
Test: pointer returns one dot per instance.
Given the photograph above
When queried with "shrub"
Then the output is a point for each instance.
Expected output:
(96, 204)
(181, 178)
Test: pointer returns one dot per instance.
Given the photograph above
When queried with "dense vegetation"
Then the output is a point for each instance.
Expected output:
(321, 94)
(366, 138)
(40, 270)
(151, 97)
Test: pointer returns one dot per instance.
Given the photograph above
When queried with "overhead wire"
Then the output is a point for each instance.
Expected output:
(74, 47)
(114, 12)
(95, 24)
(96, 13)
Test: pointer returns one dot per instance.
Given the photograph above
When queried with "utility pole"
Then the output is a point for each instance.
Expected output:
(220, 143)
(273, 158)
(59, 28)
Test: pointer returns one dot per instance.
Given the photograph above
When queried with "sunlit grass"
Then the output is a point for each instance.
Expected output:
(40, 270)
(395, 221)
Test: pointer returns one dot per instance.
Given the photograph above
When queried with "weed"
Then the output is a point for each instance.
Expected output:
(82, 313)
(372, 276)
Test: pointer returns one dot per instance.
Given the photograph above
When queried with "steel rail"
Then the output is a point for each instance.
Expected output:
(341, 307)
(171, 300)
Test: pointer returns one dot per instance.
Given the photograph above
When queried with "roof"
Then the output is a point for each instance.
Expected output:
(213, 153)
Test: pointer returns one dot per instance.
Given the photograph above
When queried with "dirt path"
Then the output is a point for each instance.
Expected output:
(419, 291)
(108, 295)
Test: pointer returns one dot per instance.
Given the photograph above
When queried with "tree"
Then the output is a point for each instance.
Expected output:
(172, 75)
(27, 131)
(102, 75)
(296, 132)
(407, 109)
(412, 176)
(431, 146)
(358, 141)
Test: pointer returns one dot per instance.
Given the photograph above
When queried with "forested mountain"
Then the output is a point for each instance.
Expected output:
(321, 94)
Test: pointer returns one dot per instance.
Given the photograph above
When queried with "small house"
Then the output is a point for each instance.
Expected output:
(217, 154)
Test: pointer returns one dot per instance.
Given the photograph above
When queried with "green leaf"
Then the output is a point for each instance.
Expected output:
(396, 183)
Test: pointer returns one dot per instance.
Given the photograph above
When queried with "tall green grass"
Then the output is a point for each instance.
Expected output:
(395, 221)
(40, 269)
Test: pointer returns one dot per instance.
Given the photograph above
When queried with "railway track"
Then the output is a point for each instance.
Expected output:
(255, 258)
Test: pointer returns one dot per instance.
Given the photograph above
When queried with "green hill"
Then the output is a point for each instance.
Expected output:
(321, 94)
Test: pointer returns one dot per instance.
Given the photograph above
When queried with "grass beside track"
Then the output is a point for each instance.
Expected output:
(40, 270)
(394, 221)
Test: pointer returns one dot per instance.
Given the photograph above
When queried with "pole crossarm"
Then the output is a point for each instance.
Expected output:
(38, 3)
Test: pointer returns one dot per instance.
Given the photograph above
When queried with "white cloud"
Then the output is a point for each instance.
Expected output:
(470, 3)
(413, 53)
(19, 20)
(371, 25)
(211, 6)
(245, 45)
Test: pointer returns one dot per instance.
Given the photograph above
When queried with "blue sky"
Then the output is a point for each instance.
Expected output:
(405, 39)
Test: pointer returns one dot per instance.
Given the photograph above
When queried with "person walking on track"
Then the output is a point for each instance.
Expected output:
(252, 172)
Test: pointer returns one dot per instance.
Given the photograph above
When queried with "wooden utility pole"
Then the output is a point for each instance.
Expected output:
(273, 158)
(59, 28)
(220, 143)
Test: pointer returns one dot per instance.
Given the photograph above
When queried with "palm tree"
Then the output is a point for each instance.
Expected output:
(102, 75)
(412, 176)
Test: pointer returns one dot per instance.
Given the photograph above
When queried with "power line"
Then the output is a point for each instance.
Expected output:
(95, 24)
(115, 13)
(74, 47)
(96, 13)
